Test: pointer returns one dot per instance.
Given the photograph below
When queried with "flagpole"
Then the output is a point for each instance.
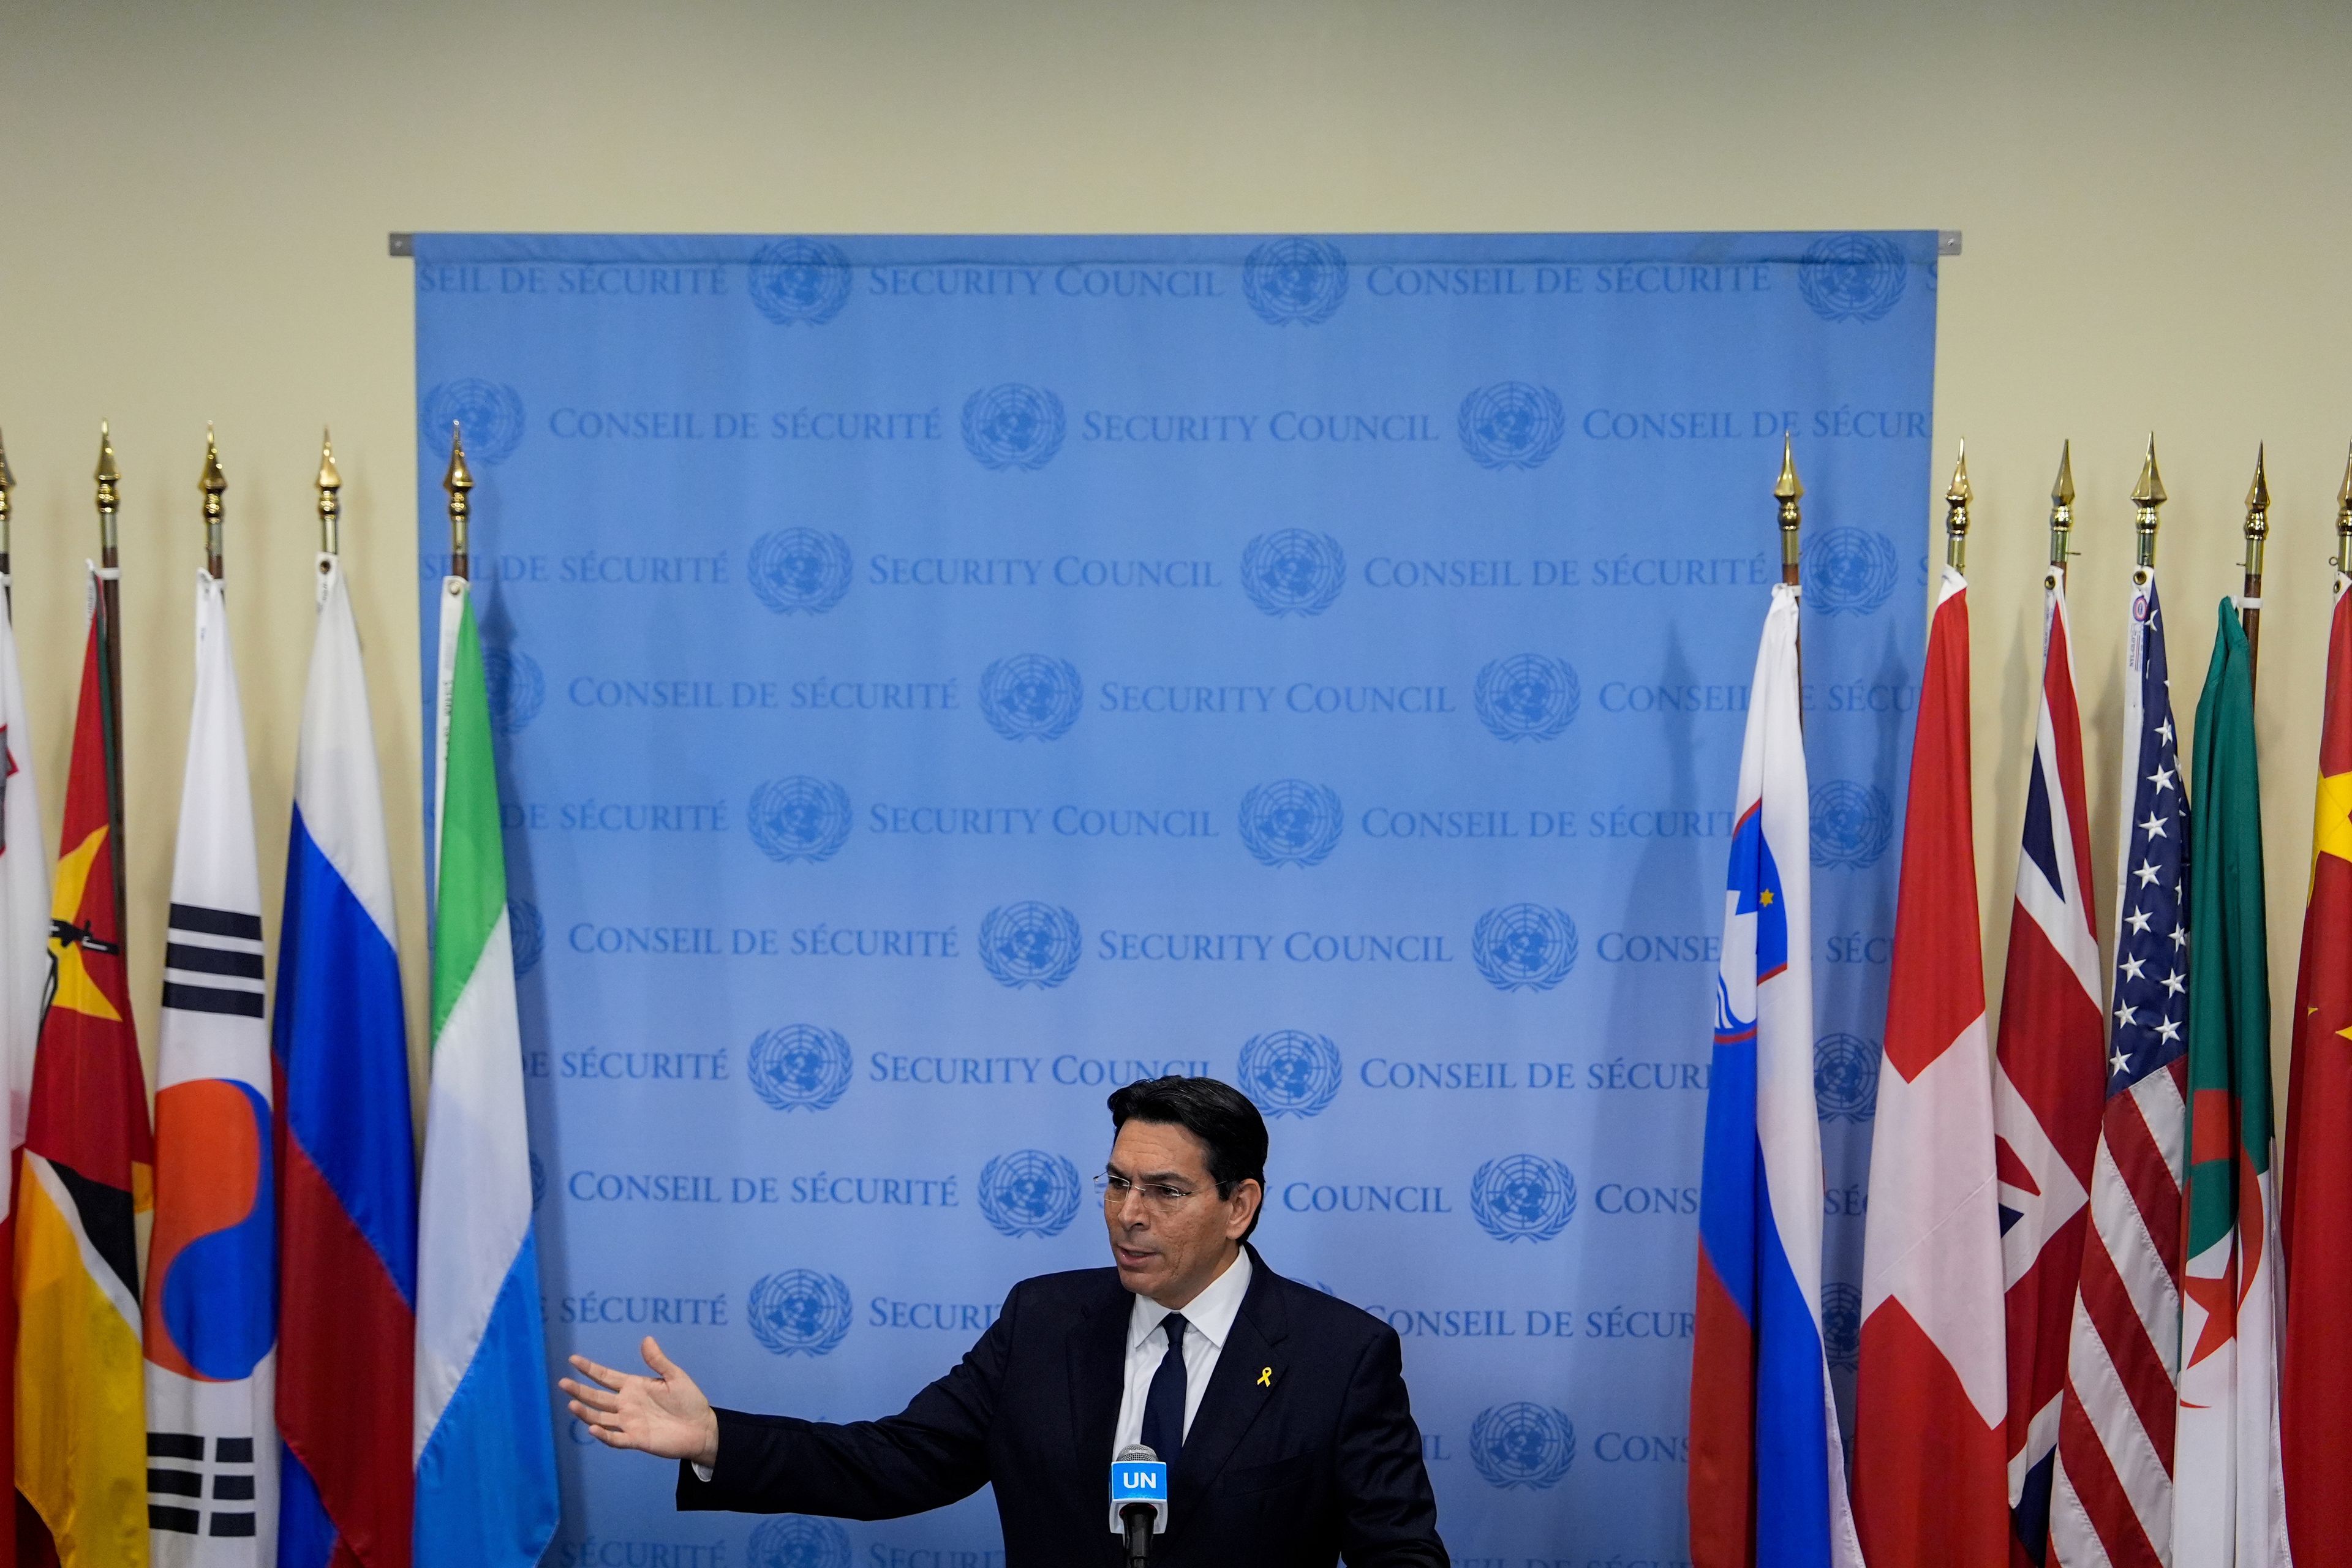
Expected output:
(7, 483)
(331, 496)
(2062, 513)
(2343, 525)
(457, 481)
(2147, 497)
(110, 612)
(212, 484)
(1787, 490)
(2249, 601)
(1957, 497)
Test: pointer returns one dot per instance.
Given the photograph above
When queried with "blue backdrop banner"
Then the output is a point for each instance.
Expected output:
(942, 679)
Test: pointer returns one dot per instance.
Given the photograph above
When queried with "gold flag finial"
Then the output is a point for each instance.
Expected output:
(1788, 487)
(213, 484)
(110, 491)
(1957, 496)
(2147, 497)
(2257, 527)
(2062, 508)
(2344, 519)
(457, 481)
(331, 498)
(1788, 490)
(2149, 491)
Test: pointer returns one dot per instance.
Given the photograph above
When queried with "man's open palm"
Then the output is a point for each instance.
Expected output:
(665, 1414)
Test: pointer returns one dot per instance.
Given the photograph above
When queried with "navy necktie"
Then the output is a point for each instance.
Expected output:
(1163, 1406)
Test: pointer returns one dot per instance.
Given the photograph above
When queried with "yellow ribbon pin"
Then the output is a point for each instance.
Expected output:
(1265, 1377)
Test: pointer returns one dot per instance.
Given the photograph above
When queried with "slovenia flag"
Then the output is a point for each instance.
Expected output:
(1766, 1472)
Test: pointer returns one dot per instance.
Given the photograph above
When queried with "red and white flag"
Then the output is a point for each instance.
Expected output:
(1930, 1486)
(24, 977)
(2112, 1506)
(2050, 1084)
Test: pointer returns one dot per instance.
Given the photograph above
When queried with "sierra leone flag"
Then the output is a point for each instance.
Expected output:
(485, 1436)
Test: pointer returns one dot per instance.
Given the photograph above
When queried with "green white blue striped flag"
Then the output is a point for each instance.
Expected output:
(486, 1493)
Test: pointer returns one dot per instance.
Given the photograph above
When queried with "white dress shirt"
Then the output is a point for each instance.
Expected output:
(1208, 1324)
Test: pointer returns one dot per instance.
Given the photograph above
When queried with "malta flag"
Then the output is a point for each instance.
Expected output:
(212, 1266)
(1929, 1479)
(1767, 1471)
(84, 1186)
(2315, 1217)
(24, 977)
(2050, 1085)
(347, 1326)
(2228, 1497)
(485, 1427)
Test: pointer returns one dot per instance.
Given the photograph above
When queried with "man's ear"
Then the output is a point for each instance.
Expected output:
(1249, 1196)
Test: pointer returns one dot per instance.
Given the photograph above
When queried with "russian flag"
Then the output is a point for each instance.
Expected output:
(346, 1329)
(1766, 1472)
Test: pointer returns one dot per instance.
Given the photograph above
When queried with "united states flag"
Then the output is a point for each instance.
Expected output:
(2113, 1497)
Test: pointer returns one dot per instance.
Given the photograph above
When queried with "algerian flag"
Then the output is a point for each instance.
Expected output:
(486, 1492)
(2227, 1500)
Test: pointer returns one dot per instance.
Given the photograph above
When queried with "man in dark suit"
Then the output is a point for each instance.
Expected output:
(1281, 1411)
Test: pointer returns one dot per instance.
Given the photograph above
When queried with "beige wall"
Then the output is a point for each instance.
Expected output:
(193, 202)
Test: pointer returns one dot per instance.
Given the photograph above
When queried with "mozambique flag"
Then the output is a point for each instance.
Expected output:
(2226, 1484)
(81, 1418)
(2315, 1218)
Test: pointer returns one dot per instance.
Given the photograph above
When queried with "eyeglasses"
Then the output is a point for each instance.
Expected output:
(1158, 1194)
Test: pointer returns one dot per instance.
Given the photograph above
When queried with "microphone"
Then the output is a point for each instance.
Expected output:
(1138, 1500)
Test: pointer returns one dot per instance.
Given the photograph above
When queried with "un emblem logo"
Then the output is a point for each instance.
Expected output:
(1290, 822)
(1029, 943)
(1031, 697)
(1522, 1445)
(799, 571)
(1845, 1077)
(1529, 697)
(1512, 424)
(800, 280)
(526, 933)
(1851, 277)
(1029, 1193)
(489, 411)
(1296, 281)
(1523, 1198)
(1289, 1072)
(1842, 1326)
(799, 1067)
(1849, 570)
(1013, 426)
(799, 818)
(796, 1540)
(1524, 946)
(799, 1311)
(514, 686)
(1852, 823)
(1293, 571)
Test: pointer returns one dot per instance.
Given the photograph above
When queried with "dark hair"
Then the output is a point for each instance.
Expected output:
(1216, 1113)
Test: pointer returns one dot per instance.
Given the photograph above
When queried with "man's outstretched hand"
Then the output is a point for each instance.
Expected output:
(664, 1415)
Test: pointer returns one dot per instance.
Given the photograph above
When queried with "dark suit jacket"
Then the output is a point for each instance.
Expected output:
(1302, 1449)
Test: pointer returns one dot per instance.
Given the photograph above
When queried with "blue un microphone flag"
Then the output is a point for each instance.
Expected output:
(1139, 1478)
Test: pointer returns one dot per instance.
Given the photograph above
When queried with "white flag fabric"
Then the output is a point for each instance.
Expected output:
(212, 1277)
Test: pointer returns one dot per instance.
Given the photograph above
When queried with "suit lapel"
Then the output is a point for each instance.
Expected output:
(1236, 1396)
(1099, 1375)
